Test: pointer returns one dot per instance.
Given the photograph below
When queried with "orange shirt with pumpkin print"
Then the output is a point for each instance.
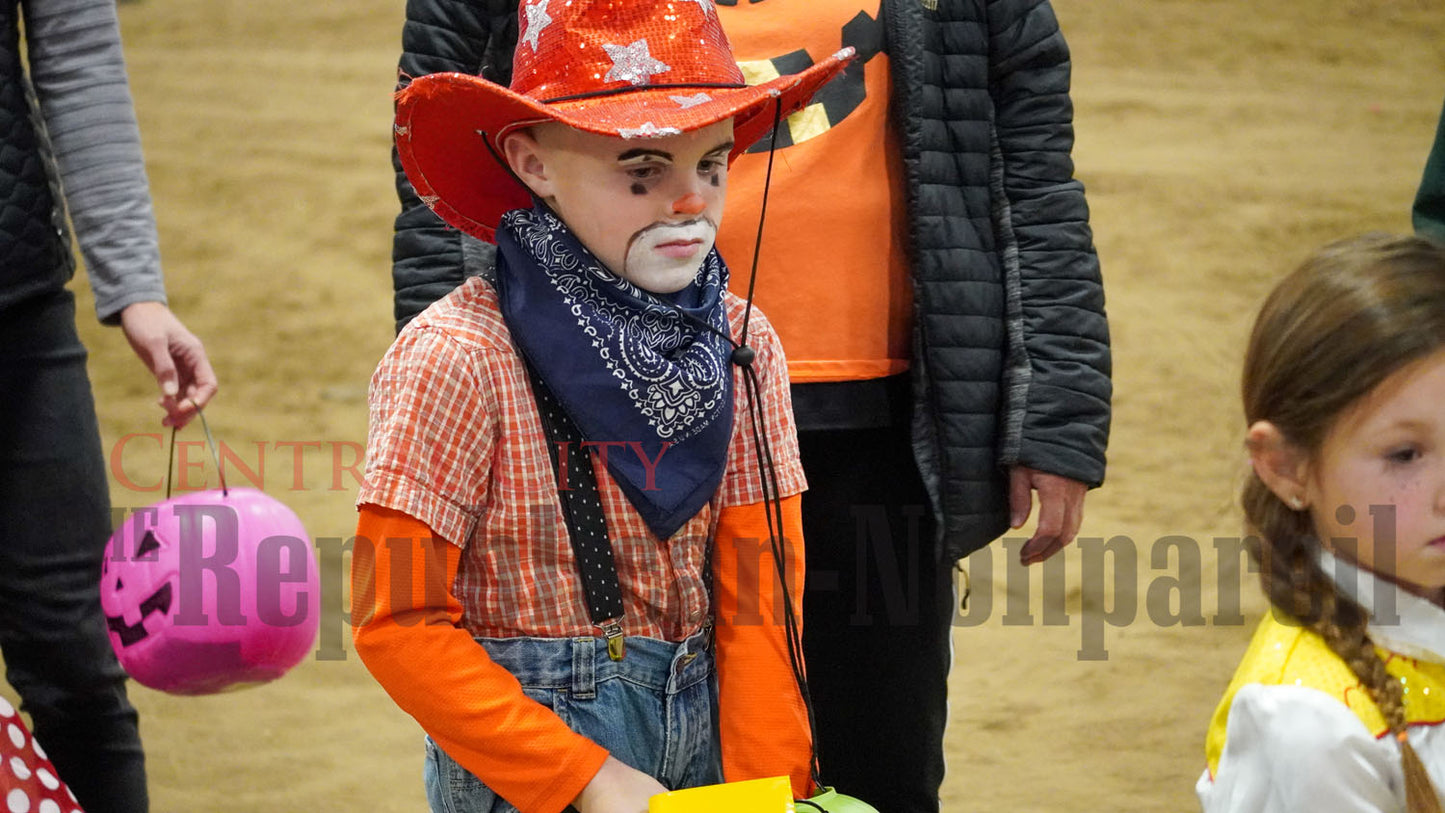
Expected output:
(836, 288)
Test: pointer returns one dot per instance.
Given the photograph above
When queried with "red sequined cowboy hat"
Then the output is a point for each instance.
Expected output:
(633, 69)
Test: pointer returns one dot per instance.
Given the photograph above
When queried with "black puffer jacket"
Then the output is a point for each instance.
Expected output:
(1012, 348)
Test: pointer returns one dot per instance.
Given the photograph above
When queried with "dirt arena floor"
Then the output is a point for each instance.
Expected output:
(1219, 140)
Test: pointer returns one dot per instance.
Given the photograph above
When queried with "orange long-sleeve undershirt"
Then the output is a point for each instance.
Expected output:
(761, 717)
(408, 633)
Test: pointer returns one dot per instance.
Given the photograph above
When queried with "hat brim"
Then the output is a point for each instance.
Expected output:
(445, 122)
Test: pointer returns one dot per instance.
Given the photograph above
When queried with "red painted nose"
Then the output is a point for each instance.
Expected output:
(689, 204)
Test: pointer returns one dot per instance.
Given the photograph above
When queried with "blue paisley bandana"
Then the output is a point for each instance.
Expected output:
(646, 386)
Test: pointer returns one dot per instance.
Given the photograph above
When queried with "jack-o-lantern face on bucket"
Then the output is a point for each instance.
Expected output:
(124, 615)
(137, 586)
(210, 591)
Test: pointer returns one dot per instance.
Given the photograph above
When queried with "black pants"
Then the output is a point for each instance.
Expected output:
(54, 522)
(877, 610)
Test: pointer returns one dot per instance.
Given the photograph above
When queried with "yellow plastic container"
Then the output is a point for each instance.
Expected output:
(772, 795)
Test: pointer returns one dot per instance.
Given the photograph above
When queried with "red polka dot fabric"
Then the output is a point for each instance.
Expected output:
(28, 782)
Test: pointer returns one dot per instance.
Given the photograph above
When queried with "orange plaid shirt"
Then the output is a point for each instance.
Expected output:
(455, 441)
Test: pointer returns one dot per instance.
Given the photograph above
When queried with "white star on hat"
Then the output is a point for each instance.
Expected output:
(537, 19)
(705, 5)
(647, 130)
(632, 63)
(691, 101)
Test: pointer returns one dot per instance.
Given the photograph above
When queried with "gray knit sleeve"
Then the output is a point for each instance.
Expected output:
(80, 80)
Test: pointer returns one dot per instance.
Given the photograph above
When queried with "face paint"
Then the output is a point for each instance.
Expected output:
(665, 258)
(690, 204)
(611, 192)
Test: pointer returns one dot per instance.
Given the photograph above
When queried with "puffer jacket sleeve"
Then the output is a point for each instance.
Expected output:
(1058, 366)
(1428, 213)
(429, 258)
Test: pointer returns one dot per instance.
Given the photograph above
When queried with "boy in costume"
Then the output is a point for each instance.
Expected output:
(545, 614)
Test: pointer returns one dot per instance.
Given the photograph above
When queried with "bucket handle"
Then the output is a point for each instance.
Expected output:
(210, 442)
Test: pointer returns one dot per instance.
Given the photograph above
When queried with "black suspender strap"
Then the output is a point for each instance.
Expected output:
(582, 512)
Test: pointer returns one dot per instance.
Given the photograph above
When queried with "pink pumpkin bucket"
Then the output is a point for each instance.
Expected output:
(210, 591)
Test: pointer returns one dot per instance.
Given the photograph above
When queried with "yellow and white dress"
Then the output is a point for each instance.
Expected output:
(1296, 731)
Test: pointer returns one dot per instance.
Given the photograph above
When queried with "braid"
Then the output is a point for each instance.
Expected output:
(1343, 627)
(1296, 585)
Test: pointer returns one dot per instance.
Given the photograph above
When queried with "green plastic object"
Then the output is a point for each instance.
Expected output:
(832, 801)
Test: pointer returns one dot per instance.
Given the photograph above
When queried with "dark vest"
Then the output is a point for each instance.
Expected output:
(35, 253)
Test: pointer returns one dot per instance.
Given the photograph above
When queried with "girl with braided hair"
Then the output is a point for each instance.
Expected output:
(1338, 702)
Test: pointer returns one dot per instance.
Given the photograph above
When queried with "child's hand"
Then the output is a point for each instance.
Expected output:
(617, 788)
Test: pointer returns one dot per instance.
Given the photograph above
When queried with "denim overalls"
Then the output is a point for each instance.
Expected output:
(655, 710)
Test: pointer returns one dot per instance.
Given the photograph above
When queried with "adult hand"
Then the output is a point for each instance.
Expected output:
(174, 356)
(617, 788)
(1061, 510)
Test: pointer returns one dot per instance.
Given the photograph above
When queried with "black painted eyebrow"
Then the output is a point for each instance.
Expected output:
(639, 152)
